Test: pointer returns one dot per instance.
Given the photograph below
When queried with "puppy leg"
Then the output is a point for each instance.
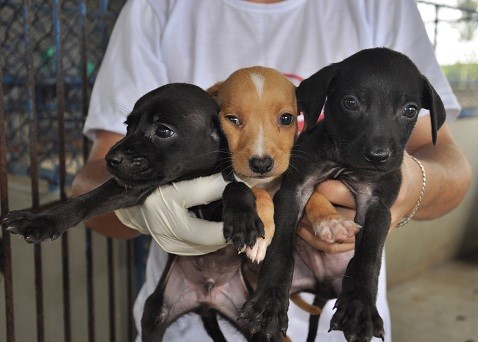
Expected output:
(265, 210)
(328, 224)
(242, 224)
(50, 224)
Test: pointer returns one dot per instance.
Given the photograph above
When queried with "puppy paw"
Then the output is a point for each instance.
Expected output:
(33, 227)
(243, 226)
(358, 321)
(257, 252)
(335, 228)
(357, 318)
(266, 313)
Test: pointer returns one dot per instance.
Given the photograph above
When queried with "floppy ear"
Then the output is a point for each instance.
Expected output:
(432, 101)
(214, 90)
(216, 134)
(214, 131)
(312, 92)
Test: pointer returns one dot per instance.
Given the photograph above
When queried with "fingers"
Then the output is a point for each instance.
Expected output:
(308, 235)
(200, 238)
(132, 217)
(337, 193)
(190, 193)
(346, 212)
(204, 233)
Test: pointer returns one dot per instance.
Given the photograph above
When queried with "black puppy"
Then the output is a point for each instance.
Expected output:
(172, 134)
(372, 100)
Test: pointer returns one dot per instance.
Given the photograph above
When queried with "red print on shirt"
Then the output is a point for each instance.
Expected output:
(296, 79)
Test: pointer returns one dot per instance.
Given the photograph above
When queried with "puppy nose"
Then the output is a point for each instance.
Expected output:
(377, 156)
(114, 160)
(261, 165)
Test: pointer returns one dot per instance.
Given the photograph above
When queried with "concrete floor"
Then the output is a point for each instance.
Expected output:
(441, 305)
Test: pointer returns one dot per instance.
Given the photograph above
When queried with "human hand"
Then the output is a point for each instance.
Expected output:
(339, 195)
(306, 232)
(165, 216)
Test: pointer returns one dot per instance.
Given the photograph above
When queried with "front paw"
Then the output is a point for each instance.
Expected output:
(257, 253)
(243, 226)
(266, 312)
(335, 228)
(357, 318)
(33, 227)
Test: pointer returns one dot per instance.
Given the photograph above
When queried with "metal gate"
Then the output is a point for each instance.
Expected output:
(72, 289)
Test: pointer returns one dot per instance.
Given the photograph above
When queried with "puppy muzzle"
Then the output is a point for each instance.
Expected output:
(261, 165)
(377, 155)
(127, 167)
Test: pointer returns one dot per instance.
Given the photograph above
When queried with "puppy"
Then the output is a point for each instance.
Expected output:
(258, 116)
(371, 102)
(174, 125)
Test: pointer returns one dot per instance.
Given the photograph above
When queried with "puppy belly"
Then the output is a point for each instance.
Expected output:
(213, 280)
(313, 267)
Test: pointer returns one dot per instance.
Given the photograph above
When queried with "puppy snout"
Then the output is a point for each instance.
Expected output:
(114, 160)
(377, 155)
(261, 165)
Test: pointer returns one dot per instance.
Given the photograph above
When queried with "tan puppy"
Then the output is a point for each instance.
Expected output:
(258, 115)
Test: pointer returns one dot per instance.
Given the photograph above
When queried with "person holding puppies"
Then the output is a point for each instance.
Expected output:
(202, 42)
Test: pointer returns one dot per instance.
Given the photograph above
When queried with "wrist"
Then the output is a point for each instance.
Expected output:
(417, 183)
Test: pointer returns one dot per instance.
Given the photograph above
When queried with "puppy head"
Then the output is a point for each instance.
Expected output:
(258, 116)
(372, 100)
(172, 134)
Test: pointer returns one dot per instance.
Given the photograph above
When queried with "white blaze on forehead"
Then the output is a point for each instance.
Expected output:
(259, 143)
(258, 81)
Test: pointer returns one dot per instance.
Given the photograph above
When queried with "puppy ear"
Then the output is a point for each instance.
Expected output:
(432, 101)
(215, 132)
(312, 92)
(214, 90)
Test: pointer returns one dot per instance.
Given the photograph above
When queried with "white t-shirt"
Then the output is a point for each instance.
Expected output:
(202, 42)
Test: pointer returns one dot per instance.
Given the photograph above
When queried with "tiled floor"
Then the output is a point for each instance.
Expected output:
(439, 306)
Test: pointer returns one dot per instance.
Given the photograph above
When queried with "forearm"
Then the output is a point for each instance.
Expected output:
(448, 176)
(92, 175)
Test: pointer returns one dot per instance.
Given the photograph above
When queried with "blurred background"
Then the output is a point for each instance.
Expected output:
(81, 287)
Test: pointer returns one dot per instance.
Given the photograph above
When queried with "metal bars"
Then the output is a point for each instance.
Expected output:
(32, 128)
(50, 52)
(6, 250)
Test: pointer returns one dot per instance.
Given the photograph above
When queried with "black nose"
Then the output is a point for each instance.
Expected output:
(114, 160)
(377, 155)
(261, 165)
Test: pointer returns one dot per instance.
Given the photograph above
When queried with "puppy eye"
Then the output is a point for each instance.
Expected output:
(410, 111)
(234, 119)
(164, 131)
(286, 119)
(350, 103)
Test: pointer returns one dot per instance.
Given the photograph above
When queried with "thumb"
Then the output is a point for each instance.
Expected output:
(202, 190)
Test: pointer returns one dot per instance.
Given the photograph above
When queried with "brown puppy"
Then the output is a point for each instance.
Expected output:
(258, 115)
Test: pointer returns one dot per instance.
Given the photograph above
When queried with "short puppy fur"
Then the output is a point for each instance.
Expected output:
(372, 100)
(258, 116)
